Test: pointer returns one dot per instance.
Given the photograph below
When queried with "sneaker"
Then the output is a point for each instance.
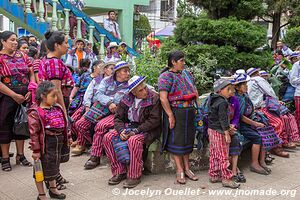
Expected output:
(78, 150)
(230, 183)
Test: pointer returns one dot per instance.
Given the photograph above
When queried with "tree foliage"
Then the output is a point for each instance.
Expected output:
(243, 35)
(242, 9)
(142, 27)
(292, 38)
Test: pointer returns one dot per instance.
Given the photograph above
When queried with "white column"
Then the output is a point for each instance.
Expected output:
(79, 27)
(67, 23)
(41, 11)
(102, 50)
(91, 31)
(54, 15)
(59, 25)
(27, 4)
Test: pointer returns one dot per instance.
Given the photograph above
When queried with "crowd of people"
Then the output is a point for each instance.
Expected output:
(86, 103)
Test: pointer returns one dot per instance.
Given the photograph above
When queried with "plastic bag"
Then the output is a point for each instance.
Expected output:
(21, 122)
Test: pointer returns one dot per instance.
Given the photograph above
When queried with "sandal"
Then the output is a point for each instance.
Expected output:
(61, 186)
(21, 160)
(56, 196)
(180, 178)
(38, 198)
(5, 164)
(60, 180)
(191, 175)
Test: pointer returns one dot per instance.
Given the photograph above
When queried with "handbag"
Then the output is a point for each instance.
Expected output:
(269, 137)
(21, 122)
(75, 104)
(274, 106)
(96, 112)
(121, 150)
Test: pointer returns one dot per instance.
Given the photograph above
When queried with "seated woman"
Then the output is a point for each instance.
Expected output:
(262, 95)
(137, 121)
(103, 70)
(248, 127)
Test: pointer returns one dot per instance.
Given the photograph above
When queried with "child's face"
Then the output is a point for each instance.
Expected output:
(51, 98)
(226, 92)
(242, 88)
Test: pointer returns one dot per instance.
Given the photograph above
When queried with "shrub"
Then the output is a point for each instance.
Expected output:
(243, 35)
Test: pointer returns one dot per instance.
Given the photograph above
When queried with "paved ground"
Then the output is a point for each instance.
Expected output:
(92, 185)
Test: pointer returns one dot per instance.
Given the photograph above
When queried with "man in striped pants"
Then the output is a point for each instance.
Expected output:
(137, 123)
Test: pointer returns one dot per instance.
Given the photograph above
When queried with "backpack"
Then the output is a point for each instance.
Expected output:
(201, 122)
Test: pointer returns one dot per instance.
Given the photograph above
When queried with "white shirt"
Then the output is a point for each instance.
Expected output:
(112, 26)
(295, 78)
(257, 87)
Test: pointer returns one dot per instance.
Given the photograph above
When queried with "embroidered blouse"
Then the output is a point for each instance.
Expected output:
(91, 90)
(180, 88)
(14, 70)
(54, 118)
(54, 68)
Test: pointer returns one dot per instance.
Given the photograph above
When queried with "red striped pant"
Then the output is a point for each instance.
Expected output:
(219, 153)
(75, 117)
(277, 124)
(135, 146)
(101, 129)
(285, 126)
(291, 127)
(297, 113)
(83, 127)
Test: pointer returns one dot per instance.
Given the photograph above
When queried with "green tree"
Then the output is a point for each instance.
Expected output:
(276, 10)
(242, 9)
(293, 37)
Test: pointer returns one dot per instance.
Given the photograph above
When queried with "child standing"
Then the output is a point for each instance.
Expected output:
(235, 147)
(219, 135)
(48, 133)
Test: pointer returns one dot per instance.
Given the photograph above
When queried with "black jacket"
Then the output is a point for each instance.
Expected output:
(218, 115)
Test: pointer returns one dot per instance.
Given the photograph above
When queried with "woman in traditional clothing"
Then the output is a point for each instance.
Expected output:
(53, 69)
(178, 95)
(264, 98)
(16, 75)
(248, 127)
